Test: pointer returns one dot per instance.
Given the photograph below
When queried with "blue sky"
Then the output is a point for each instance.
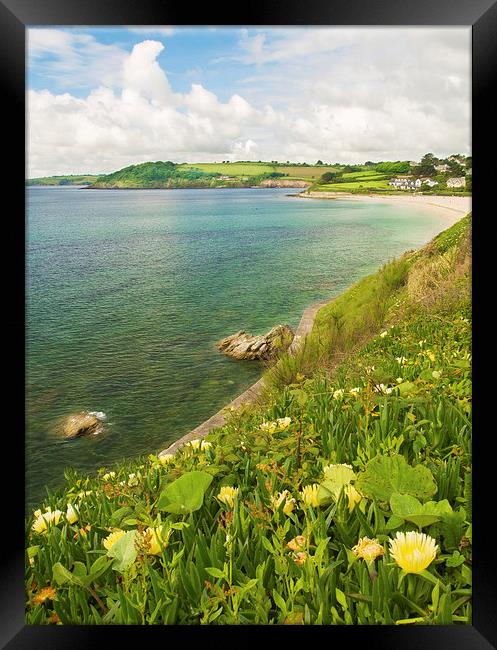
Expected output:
(190, 56)
(101, 98)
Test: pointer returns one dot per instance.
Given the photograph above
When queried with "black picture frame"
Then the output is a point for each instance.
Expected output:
(15, 16)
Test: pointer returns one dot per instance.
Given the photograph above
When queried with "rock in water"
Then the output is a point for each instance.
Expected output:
(244, 346)
(80, 424)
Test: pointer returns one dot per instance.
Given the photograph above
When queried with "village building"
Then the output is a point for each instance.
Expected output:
(442, 168)
(456, 182)
(405, 183)
(429, 181)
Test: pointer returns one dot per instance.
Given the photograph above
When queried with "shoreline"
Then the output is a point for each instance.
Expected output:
(451, 207)
(249, 395)
(445, 205)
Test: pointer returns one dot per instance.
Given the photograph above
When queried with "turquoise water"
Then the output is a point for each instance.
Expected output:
(128, 292)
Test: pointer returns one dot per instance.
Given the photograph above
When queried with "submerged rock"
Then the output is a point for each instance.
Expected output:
(244, 346)
(81, 424)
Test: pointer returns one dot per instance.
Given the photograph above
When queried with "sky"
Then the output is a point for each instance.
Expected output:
(102, 98)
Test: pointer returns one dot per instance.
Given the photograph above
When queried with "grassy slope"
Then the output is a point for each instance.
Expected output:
(413, 401)
(63, 180)
(166, 175)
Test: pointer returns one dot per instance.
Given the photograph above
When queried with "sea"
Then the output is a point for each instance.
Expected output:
(128, 291)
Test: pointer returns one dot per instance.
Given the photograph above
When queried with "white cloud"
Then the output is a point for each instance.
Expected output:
(74, 59)
(335, 94)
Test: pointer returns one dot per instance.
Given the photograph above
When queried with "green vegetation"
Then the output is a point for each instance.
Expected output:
(365, 179)
(170, 175)
(356, 179)
(87, 179)
(305, 508)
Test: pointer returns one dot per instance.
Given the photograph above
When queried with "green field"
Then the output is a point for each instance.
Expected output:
(367, 179)
(236, 169)
(63, 180)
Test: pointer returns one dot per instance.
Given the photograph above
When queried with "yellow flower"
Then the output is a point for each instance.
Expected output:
(338, 393)
(199, 445)
(227, 495)
(383, 334)
(309, 495)
(43, 521)
(111, 539)
(353, 496)
(299, 377)
(436, 374)
(108, 476)
(133, 479)
(269, 427)
(297, 543)
(47, 593)
(354, 391)
(413, 551)
(368, 549)
(283, 423)
(276, 501)
(71, 514)
(156, 539)
(165, 459)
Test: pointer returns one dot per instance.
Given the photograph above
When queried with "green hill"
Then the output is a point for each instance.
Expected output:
(85, 179)
(296, 510)
(169, 175)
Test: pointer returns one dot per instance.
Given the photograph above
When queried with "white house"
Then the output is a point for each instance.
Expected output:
(442, 168)
(405, 183)
(456, 182)
(429, 181)
(457, 158)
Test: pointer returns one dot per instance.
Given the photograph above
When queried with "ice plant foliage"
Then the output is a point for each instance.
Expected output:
(413, 551)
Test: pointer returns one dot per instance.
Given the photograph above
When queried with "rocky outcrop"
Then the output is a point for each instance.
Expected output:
(282, 182)
(81, 424)
(244, 346)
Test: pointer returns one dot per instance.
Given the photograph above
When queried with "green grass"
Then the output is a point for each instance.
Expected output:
(385, 389)
(353, 185)
(232, 169)
(237, 169)
(63, 180)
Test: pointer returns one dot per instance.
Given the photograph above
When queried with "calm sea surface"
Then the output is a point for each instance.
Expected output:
(128, 292)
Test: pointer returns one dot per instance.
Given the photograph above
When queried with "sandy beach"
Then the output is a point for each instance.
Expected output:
(453, 207)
